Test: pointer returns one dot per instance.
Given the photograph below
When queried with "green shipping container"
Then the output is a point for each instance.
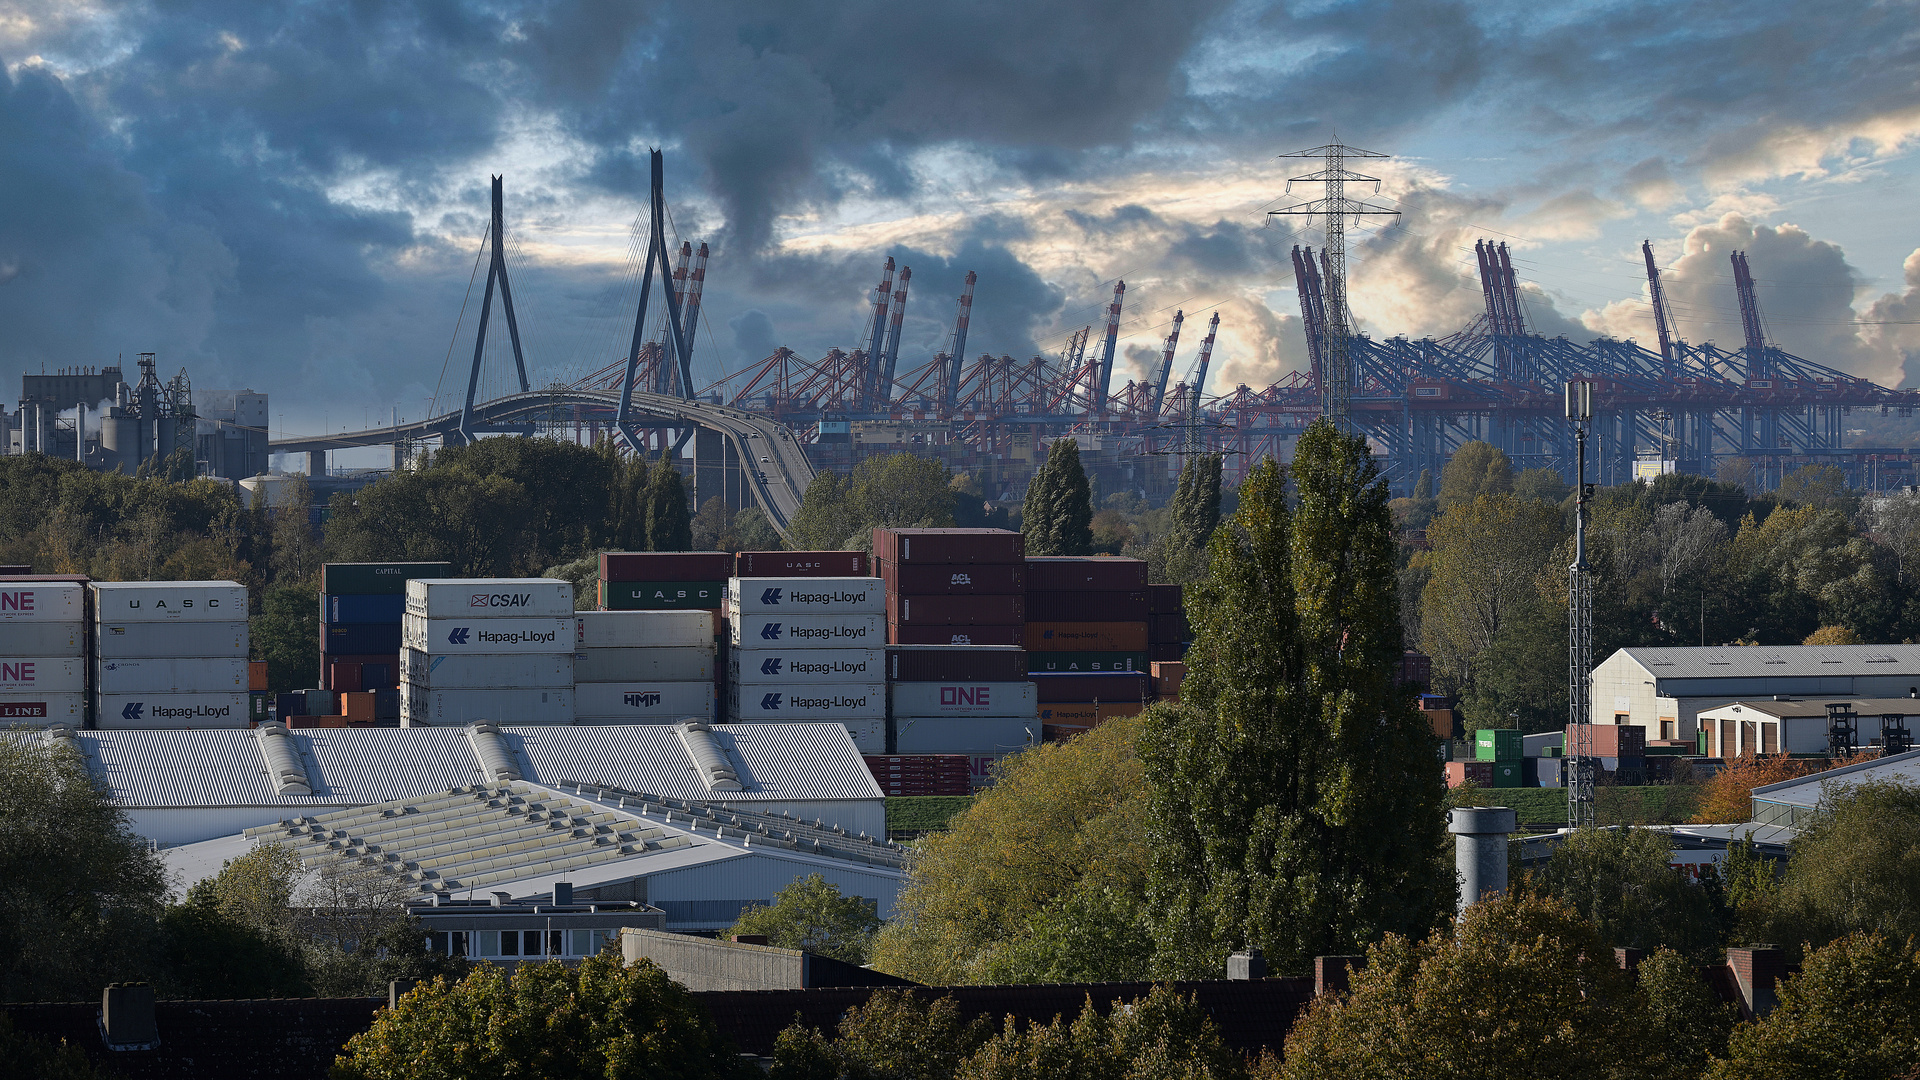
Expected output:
(1068, 663)
(1498, 744)
(257, 708)
(378, 578)
(1508, 774)
(656, 595)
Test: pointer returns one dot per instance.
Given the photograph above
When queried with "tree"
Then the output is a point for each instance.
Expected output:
(900, 491)
(1821, 486)
(212, 954)
(477, 523)
(286, 634)
(1848, 1015)
(1194, 515)
(1833, 635)
(753, 532)
(1294, 805)
(26, 1057)
(1520, 678)
(1058, 514)
(1622, 882)
(1727, 797)
(1894, 521)
(296, 548)
(1542, 485)
(896, 1034)
(1476, 469)
(1160, 1035)
(811, 914)
(1855, 866)
(824, 520)
(1485, 564)
(669, 527)
(601, 1019)
(712, 527)
(1682, 1014)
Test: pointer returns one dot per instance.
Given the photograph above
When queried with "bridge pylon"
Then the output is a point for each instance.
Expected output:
(496, 271)
(658, 263)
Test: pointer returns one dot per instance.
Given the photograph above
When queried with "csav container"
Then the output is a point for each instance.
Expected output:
(164, 710)
(361, 639)
(807, 596)
(988, 735)
(685, 664)
(209, 639)
(442, 671)
(1085, 573)
(44, 638)
(638, 629)
(1087, 606)
(50, 601)
(904, 546)
(341, 608)
(487, 635)
(377, 579)
(945, 610)
(984, 663)
(661, 595)
(1086, 637)
(473, 598)
(833, 701)
(1085, 663)
(666, 565)
(639, 701)
(964, 579)
(420, 707)
(779, 666)
(172, 675)
(949, 636)
(168, 601)
(960, 699)
(800, 564)
(43, 675)
(42, 710)
(761, 632)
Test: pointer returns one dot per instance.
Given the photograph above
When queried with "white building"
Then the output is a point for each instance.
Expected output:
(1664, 690)
(1799, 725)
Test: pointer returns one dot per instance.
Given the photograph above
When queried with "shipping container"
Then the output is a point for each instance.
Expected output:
(642, 629)
(1088, 573)
(869, 736)
(50, 601)
(1508, 774)
(1610, 740)
(978, 736)
(642, 701)
(44, 638)
(386, 706)
(808, 596)
(1478, 772)
(1168, 629)
(177, 675)
(761, 632)
(357, 707)
(168, 601)
(1085, 663)
(1542, 772)
(1086, 637)
(922, 774)
(948, 579)
(176, 710)
(906, 546)
(800, 564)
(257, 708)
(440, 671)
(949, 636)
(42, 710)
(1498, 744)
(1091, 687)
(474, 598)
(257, 678)
(1087, 606)
(951, 610)
(1087, 712)
(1167, 677)
(662, 595)
(376, 578)
(807, 666)
(420, 707)
(294, 704)
(488, 635)
(1165, 599)
(341, 608)
(376, 669)
(701, 566)
(957, 699)
(322, 703)
(1168, 651)
(985, 663)
(361, 639)
(686, 664)
(341, 676)
(43, 675)
(201, 639)
(833, 701)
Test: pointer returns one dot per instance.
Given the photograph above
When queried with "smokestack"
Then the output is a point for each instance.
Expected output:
(1480, 850)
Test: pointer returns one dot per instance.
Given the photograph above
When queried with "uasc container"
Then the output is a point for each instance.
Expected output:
(168, 601)
(662, 595)
(202, 639)
(800, 564)
(471, 598)
(1085, 663)
(808, 596)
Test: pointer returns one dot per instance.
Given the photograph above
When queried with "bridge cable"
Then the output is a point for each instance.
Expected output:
(456, 322)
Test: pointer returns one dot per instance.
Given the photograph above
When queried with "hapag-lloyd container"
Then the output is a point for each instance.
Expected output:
(41, 710)
(950, 636)
(961, 699)
(689, 663)
(800, 564)
(163, 710)
(473, 598)
(982, 663)
(1087, 573)
(947, 610)
(946, 579)
(642, 700)
(128, 640)
(642, 629)
(1086, 637)
(487, 635)
(990, 736)
(44, 638)
(832, 701)
(378, 579)
(807, 596)
(457, 672)
(420, 707)
(43, 675)
(52, 601)
(170, 675)
(168, 601)
(781, 666)
(949, 545)
(770, 631)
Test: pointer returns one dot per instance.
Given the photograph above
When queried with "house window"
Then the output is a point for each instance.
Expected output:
(586, 942)
(1620, 719)
(490, 943)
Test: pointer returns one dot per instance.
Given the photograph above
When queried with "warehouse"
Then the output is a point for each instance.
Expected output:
(180, 786)
(1790, 725)
(1789, 802)
(1664, 690)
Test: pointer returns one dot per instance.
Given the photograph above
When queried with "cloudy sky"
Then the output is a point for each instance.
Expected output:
(289, 197)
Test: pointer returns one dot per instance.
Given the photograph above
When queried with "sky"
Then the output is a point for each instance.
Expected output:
(290, 197)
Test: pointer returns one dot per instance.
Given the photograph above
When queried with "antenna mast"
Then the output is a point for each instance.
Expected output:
(1580, 763)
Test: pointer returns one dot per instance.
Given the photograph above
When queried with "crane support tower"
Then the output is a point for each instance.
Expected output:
(1580, 762)
(962, 315)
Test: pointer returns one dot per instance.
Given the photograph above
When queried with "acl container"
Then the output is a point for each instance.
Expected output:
(952, 636)
(639, 701)
(807, 596)
(469, 598)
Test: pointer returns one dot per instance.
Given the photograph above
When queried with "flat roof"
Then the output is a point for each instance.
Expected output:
(1805, 791)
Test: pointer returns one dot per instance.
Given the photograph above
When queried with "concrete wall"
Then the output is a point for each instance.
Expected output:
(706, 964)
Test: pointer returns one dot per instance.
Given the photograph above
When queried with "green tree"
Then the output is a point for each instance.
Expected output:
(286, 634)
(211, 954)
(896, 1035)
(296, 546)
(1622, 882)
(901, 491)
(1855, 867)
(1476, 469)
(1057, 517)
(825, 518)
(712, 527)
(1160, 1035)
(1682, 1014)
(669, 526)
(1820, 486)
(1423, 487)
(1542, 485)
(811, 914)
(1194, 515)
(1484, 568)
(477, 523)
(753, 532)
(1295, 807)
(1848, 1015)
(1520, 679)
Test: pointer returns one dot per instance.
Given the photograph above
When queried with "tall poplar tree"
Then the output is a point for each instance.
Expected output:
(1195, 508)
(669, 523)
(1058, 514)
(1295, 800)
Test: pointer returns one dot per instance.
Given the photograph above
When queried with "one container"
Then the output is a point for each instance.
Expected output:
(1087, 606)
(1498, 744)
(808, 596)
(43, 675)
(170, 675)
(686, 664)
(957, 699)
(50, 601)
(800, 564)
(642, 629)
(1001, 610)
(44, 638)
(965, 579)
(1165, 599)
(984, 663)
(905, 546)
(449, 672)
(661, 595)
(361, 639)
(472, 598)
(1091, 687)
(378, 579)
(1087, 713)
(203, 639)
(1086, 573)
(341, 608)
(807, 666)
(834, 701)
(949, 636)
(666, 566)
(41, 710)
(168, 601)
(144, 710)
(1085, 663)
(761, 632)
(971, 736)
(487, 635)
(1086, 637)
(642, 701)
(443, 708)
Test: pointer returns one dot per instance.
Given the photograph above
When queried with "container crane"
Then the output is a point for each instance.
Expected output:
(1166, 362)
(1104, 378)
(958, 352)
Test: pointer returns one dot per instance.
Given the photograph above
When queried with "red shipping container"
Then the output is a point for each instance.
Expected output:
(1480, 772)
(936, 634)
(1167, 677)
(956, 610)
(1086, 637)
(1611, 740)
(342, 677)
(1090, 687)
(1167, 651)
(1164, 629)
(800, 564)
(1416, 668)
(953, 579)
(1104, 573)
(949, 545)
(1088, 606)
(937, 663)
(1165, 599)
(666, 565)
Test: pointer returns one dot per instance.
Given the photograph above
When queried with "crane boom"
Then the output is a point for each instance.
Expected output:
(1662, 314)
(963, 314)
(884, 398)
(1166, 362)
(1105, 375)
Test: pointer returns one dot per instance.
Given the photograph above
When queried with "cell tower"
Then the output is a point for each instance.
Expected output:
(1579, 751)
(1336, 382)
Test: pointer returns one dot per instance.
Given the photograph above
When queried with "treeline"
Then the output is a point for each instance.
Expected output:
(892, 491)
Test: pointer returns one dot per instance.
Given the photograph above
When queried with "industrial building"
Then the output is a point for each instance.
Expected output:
(1790, 725)
(1664, 690)
(91, 415)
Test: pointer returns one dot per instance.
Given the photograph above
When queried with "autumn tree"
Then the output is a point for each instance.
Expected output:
(1855, 866)
(1484, 572)
(1160, 1035)
(1057, 517)
(825, 519)
(1848, 1015)
(811, 914)
(896, 1033)
(1477, 468)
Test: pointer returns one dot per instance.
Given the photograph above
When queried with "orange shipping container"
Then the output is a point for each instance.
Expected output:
(1087, 712)
(1167, 676)
(357, 706)
(257, 676)
(1087, 637)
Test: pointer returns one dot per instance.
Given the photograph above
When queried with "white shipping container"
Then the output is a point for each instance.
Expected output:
(482, 671)
(168, 601)
(807, 666)
(959, 699)
(44, 638)
(136, 710)
(468, 636)
(420, 707)
(972, 736)
(470, 598)
(42, 710)
(42, 601)
(196, 639)
(834, 701)
(760, 632)
(43, 675)
(643, 629)
(170, 675)
(639, 700)
(685, 664)
(808, 596)
(869, 736)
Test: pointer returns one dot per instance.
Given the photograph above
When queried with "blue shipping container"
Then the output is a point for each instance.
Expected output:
(286, 705)
(338, 610)
(364, 639)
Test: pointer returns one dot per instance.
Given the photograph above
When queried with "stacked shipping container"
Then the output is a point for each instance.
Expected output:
(497, 649)
(1168, 631)
(43, 646)
(974, 700)
(1087, 639)
(953, 586)
(170, 654)
(672, 581)
(360, 609)
(643, 667)
(809, 649)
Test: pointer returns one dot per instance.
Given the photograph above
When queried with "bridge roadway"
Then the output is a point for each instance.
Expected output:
(773, 463)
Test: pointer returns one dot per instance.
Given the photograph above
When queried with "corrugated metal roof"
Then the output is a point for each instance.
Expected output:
(1781, 661)
(1806, 790)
